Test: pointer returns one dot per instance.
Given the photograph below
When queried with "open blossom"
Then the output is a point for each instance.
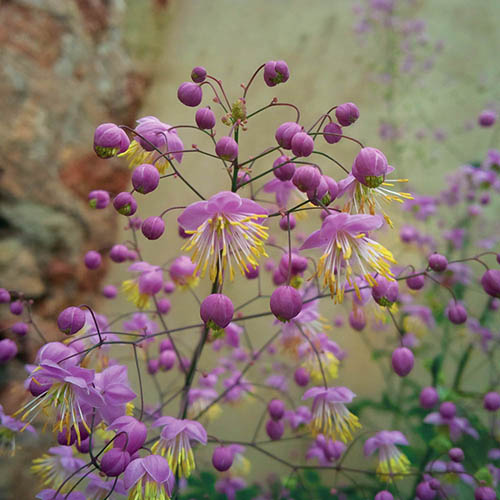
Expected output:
(175, 442)
(326, 451)
(345, 243)
(201, 399)
(149, 283)
(157, 135)
(9, 427)
(330, 416)
(392, 462)
(225, 232)
(456, 425)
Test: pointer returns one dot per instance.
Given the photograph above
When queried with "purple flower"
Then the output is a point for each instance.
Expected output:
(456, 425)
(298, 417)
(325, 450)
(282, 190)
(229, 486)
(392, 463)
(132, 433)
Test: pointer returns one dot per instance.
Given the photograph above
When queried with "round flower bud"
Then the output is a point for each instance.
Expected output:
(8, 350)
(456, 455)
(71, 320)
(484, 493)
(491, 282)
(347, 113)
(198, 74)
(125, 204)
(491, 401)
(16, 307)
(301, 376)
(332, 133)
(169, 287)
(384, 495)
(283, 169)
(166, 345)
(164, 305)
(438, 262)
(487, 118)
(447, 409)
(217, 310)
(424, 491)
(402, 361)
(385, 292)
(92, 259)
(276, 72)
(428, 397)
(285, 303)
(456, 313)
(316, 195)
(145, 178)
(306, 178)
(222, 458)
(252, 272)
(275, 429)
(153, 227)
(83, 446)
(114, 462)
(357, 319)
(205, 118)
(189, 94)
(167, 360)
(302, 144)
(285, 133)
(118, 253)
(226, 148)
(20, 328)
(110, 291)
(415, 282)
(276, 409)
(4, 296)
(153, 366)
(98, 199)
(370, 167)
(65, 438)
(278, 277)
(288, 222)
(109, 140)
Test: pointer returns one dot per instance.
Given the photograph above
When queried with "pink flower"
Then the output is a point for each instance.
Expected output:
(392, 463)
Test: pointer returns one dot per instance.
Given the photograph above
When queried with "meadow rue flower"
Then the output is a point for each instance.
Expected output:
(456, 454)
(276, 72)
(275, 429)
(428, 397)
(9, 427)
(402, 361)
(227, 148)
(384, 495)
(344, 239)
(205, 118)
(392, 463)
(370, 167)
(51, 494)
(145, 178)
(98, 199)
(276, 409)
(198, 74)
(175, 442)
(114, 462)
(141, 289)
(330, 417)
(149, 478)
(109, 140)
(71, 320)
(285, 133)
(16, 307)
(415, 282)
(92, 259)
(98, 487)
(125, 204)
(4, 296)
(332, 133)
(225, 232)
(456, 313)
(325, 450)
(301, 376)
(118, 253)
(183, 272)
(285, 303)
(484, 493)
(302, 144)
(347, 113)
(357, 319)
(189, 94)
(222, 458)
(153, 227)
(283, 169)
(230, 485)
(487, 118)
(306, 178)
(385, 292)
(491, 282)
(446, 417)
(131, 433)
(491, 401)
(217, 310)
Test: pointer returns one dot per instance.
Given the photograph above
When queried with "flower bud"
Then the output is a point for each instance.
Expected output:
(316, 195)
(408, 234)
(332, 133)
(20, 328)
(98, 199)
(226, 148)
(285, 133)
(164, 305)
(92, 259)
(424, 491)
(278, 277)
(286, 303)
(298, 264)
(222, 458)
(487, 118)
(302, 144)
(347, 113)
(169, 287)
(167, 360)
(109, 140)
(110, 291)
(301, 376)
(205, 118)
(288, 222)
(8, 350)
(447, 409)
(357, 319)
(4, 296)
(484, 493)
(125, 204)
(456, 313)
(189, 94)
(384, 495)
(415, 282)
(275, 429)
(181, 269)
(456, 455)
(491, 401)
(438, 262)
(118, 253)
(370, 167)
(145, 178)
(217, 310)
(385, 292)
(276, 72)
(153, 227)
(114, 462)
(276, 409)
(283, 169)
(428, 397)
(83, 446)
(402, 361)
(198, 74)
(306, 178)
(491, 282)
(71, 320)
(16, 307)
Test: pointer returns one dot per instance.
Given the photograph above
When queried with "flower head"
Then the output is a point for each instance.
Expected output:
(149, 478)
(225, 232)
(392, 463)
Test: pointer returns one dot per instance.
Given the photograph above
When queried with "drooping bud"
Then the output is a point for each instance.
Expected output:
(428, 397)
(275, 429)
(164, 305)
(110, 291)
(110, 140)
(332, 133)
(205, 118)
(456, 455)
(385, 292)
(153, 227)
(370, 167)
(487, 118)
(447, 409)
(316, 195)
(125, 204)
(98, 199)
(285, 133)
(145, 178)
(347, 113)
(217, 310)
(167, 360)
(456, 313)
(306, 178)
(402, 361)
(491, 282)
(181, 270)
(283, 169)
(484, 493)
(20, 328)
(491, 401)
(71, 320)
(415, 282)
(114, 462)
(226, 148)
(92, 259)
(16, 307)
(301, 376)
(252, 272)
(288, 222)
(276, 72)
(198, 74)
(357, 319)
(424, 491)
(118, 253)
(302, 144)
(222, 458)
(285, 303)
(189, 94)
(4, 296)
(438, 262)
(384, 495)
(276, 409)
(8, 350)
